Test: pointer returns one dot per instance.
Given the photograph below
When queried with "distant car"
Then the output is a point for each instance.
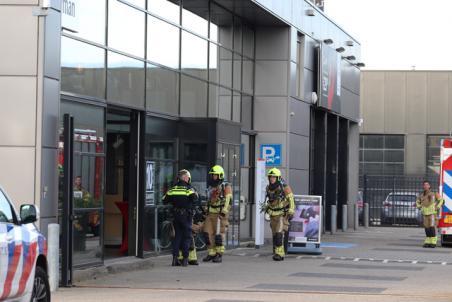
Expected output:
(23, 255)
(400, 208)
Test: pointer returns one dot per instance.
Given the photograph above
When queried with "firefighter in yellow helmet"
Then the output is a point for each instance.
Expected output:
(280, 206)
(430, 204)
(219, 197)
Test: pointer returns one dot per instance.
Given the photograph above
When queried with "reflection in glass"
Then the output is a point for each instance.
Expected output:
(88, 192)
(163, 43)
(82, 68)
(195, 16)
(237, 35)
(220, 102)
(162, 87)
(220, 65)
(194, 55)
(221, 26)
(169, 10)
(125, 80)
(193, 97)
(139, 3)
(126, 28)
(90, 21)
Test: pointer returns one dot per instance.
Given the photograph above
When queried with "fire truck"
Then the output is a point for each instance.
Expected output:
(445, 189)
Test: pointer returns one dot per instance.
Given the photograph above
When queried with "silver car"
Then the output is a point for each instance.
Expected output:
(400, 208)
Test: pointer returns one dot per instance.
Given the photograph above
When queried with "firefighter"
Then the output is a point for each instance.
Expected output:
(182, 196)
(219, 197)
(430, 204)
(280, 206)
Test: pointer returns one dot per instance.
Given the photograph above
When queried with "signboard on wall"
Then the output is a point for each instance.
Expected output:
(305, 227)
(272, 154)
(150, 165)
(69, 15)
(330, 81)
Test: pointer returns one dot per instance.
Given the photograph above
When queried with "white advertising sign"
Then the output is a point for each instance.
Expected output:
(260, 185)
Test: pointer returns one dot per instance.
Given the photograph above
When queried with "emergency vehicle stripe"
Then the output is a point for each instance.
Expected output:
(13, 261)
(18, 237)
(28, 264)
(3, 256)
(447, 190)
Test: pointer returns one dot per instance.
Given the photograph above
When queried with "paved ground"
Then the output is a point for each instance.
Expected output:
(379, 264)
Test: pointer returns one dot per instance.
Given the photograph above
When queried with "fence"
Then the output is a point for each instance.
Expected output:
(392, 199)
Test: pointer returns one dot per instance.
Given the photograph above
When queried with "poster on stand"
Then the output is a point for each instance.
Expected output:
(305, 227)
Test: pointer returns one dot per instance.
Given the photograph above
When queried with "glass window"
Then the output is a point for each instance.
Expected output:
(195, 152)
(237, 35)
(247, 112)
(6, 214)
(195, 16)
(126, 28)
(82, 68)
(139, 3)
(162, 89)
(248, 42)
(237, 80)
(221, 26)
(193, 99)
(382, 154)
(248, 76)
(433, 153)
(90, 21)
(125, 80)
(169, 10)
(236, 108)
(220, 65)
(163, 43)
(88, 187)
(219, 100)
(194, 55)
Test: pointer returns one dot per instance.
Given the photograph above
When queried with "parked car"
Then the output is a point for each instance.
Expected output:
(400, 208)
(23, 254)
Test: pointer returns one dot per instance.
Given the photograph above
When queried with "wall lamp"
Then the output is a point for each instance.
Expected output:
(340, 49)
(310, 12)
(328, 41)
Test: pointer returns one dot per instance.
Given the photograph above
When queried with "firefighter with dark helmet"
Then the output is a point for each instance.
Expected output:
(219, 197)
(182, 197)
(280, 206)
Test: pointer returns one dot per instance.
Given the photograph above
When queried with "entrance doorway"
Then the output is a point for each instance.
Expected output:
(121, 191)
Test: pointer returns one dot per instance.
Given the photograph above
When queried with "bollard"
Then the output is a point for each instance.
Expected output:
(366, 215)
(53, 255)
(344, 218)
(356, 222)
(333, 219)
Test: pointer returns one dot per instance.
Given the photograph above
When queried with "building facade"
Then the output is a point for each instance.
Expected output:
(405, 116)
(154, 86)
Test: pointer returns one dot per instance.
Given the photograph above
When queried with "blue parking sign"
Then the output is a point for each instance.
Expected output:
(271, 153)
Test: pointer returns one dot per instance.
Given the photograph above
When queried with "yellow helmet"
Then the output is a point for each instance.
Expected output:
(274, 172)
(217, 170)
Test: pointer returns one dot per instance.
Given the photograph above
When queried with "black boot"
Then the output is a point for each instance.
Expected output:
(184, 262)
(193, 262)
(217, 258)
(277, 257)
(176, 261)
(208, 258)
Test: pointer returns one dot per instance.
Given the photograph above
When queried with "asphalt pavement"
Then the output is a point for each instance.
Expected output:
(376, 264)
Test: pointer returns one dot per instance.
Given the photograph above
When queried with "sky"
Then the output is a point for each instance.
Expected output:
(398, 34)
